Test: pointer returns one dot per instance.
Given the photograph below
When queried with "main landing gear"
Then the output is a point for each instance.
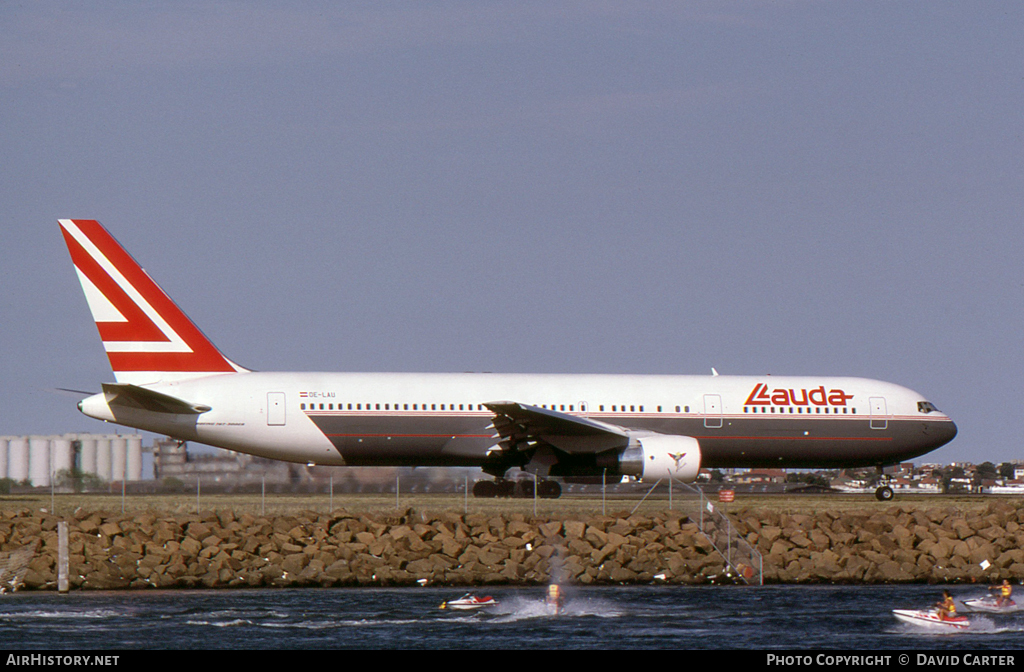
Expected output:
(884, 493)
(522, 488)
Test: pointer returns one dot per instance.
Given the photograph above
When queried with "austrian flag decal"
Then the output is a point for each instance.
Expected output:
(763, 396)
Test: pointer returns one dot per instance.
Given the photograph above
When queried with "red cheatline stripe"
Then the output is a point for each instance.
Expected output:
(794, 438)
(699, 438)
(412, 436)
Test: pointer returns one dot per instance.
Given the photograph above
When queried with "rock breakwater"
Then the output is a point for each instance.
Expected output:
(223, 550)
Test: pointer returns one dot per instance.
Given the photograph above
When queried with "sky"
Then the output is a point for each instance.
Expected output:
(789, 187)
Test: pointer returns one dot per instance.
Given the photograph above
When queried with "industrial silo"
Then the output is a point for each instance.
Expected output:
(4, 441)
(118, 458)
(135, 457)
(17, 458)
(87, 453)
(103, 456)
(62, 456)
(39, 460)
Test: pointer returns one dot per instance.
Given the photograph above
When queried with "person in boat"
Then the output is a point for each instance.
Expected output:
(467, 596)
(1005, 590)
(947, 608)
(555, 598)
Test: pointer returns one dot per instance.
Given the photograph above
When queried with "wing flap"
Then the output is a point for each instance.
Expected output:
(522, 426)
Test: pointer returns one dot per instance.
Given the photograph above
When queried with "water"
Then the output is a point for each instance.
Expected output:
(855, 618)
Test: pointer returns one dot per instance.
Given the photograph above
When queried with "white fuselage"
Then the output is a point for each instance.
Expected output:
(439, 419)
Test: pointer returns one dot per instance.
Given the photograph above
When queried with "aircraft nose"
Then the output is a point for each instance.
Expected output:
(952, 430)
(943, 432)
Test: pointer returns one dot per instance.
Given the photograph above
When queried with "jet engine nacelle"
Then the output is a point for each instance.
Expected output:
(659, 456)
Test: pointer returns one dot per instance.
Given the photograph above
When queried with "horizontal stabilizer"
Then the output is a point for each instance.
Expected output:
(133, 396)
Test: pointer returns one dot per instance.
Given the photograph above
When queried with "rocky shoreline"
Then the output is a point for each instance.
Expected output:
(110, 551)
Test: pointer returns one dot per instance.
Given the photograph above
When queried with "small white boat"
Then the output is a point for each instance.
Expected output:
(931, 619)
(990, 605)
(469, 601)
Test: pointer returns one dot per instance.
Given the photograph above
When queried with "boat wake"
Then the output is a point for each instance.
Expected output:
(980, 625)
(519, 608)
(61, 614)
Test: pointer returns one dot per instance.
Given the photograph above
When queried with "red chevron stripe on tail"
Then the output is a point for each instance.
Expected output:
(146, 336)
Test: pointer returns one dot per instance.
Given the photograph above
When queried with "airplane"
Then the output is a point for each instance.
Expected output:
(170, 379)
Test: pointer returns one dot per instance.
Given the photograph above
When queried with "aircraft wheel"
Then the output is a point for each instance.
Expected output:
(549, 490)
(884, 494)
(485, 489)
(524, 489)
(505, 488)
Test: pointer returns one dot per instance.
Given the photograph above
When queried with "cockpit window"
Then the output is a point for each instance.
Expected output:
(926, 407)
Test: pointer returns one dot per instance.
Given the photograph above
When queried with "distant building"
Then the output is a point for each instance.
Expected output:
(176, 466)
(1011, 487)
(174, 463)
(761, 476)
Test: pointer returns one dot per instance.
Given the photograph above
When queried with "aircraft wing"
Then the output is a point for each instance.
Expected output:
(522, 427)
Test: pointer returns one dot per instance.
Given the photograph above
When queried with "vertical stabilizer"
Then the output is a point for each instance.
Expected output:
(147, 338)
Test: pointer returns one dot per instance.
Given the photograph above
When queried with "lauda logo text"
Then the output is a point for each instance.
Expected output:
(762, 396)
